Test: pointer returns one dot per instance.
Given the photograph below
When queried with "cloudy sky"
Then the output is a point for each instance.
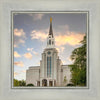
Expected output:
(30, 37)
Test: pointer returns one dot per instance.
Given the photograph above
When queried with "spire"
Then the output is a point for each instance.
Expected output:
(50, 39)
(50, 30)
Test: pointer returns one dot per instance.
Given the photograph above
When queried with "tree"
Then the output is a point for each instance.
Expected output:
(78, 68)
(22, 83)
(19, 83)
(16, 82)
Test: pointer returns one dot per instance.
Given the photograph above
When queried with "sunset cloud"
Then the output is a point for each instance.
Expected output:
(38, 35)
(19, 73)
(19, 32)
(38, 16)
(63, 61)
(18, 41)
(38, 63)
(28, 55)
(32, 51)
(16, 73)
(15, 45)
(16, 54)
(23, 71)
(29, 49)
(19, 37)
(60, 49)
(71, 39)
(19, 63)
(35, 53)
(69, 59)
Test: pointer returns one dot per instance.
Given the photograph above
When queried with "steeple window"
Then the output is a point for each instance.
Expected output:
(50, 42)
(48, 66)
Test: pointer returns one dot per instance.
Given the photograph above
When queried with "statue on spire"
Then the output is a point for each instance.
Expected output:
(50, 30)
(50, 19)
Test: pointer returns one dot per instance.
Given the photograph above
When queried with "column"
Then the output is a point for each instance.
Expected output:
(40, 82)
(36, 83)
(53, 82)
(47, 82)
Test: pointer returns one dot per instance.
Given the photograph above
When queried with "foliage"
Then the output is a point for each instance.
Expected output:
(78, 68)
(65, 80)
(19, 83)
(22, 83)
(16, 82)
(69, 84)
(30, 84)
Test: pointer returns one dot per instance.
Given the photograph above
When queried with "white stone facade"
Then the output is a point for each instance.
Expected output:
(51, 71)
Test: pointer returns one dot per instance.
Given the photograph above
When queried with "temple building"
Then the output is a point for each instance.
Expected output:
(51, 71)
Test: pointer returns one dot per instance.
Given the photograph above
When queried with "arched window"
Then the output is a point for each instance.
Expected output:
(48, 66)
(52, 42)
(49, 41)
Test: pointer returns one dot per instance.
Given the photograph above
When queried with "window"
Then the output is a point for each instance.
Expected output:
(49, 52)
(61, 70)
(48, 66)
(52, 42)
(49, 41)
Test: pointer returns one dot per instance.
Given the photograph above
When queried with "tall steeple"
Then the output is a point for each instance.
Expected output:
(50, 39)
(50, 30)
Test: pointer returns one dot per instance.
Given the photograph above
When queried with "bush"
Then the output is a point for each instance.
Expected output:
(30, 84)
(70, 84)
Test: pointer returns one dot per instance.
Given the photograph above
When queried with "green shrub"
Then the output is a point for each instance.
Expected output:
(30, 84)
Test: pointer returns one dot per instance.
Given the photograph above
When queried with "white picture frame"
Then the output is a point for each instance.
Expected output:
(7, 92)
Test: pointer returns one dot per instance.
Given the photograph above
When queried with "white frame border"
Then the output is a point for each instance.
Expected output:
(12, 52)
(93, 93)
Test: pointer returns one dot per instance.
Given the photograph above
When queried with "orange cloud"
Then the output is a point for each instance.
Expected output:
(18, 41)
(38, 63)
(23, 71)
(28, 55)
(71, 39)
(69, 59)
(19, 63)
(21, 41)
(29, 49)
(19, 37)
(16, 54)
(63, 61)
(60, 48)
(38, 35)
(35, 53)
(19, 32)
(16, 73)
(15, 45)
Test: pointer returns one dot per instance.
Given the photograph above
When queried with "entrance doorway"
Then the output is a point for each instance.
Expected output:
(44, 82)
(38, 83)
(50, 83)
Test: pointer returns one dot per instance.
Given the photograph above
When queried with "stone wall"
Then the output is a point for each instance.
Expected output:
(67, 74)
(33, 75)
